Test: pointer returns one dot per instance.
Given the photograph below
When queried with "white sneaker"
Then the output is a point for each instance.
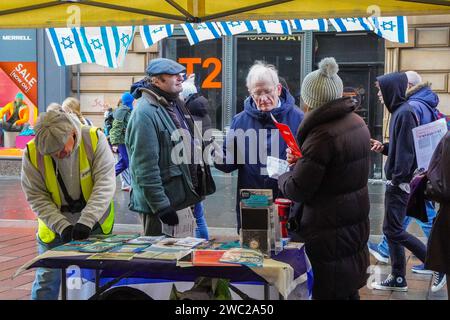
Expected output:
(439, 281)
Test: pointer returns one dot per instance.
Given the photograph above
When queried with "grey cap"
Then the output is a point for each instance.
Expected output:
(323, 85)
(164, 66)
(52, 131)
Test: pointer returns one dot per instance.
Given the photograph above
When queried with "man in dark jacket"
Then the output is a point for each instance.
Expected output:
(253, 135)
(331, 182)
(161, 184)
(399, 169)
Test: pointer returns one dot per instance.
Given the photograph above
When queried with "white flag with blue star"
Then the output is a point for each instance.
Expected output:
(123, 37)
(351, 24)
(153, 34)
(197, 32)
(394, 29)
(274, 26)
(101, 45)
(67, 46)
(235, 27)
(309, 24)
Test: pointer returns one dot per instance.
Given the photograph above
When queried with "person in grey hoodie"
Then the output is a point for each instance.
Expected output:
(68, 179)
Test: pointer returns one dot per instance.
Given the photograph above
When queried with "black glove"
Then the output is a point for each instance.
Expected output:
(66, 235)
(168, 216)
(81, 232)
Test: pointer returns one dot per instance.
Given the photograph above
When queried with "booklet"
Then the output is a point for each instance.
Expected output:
(146, 240)
(185, 226)
(246, 257)
(288, 137)
(426, 138)
(121, 238)
(98, 247)
(276, 167)
(72, 246)
(112, 256)
(161, 254)
(130, 248)
(189, 242)
(209, 258)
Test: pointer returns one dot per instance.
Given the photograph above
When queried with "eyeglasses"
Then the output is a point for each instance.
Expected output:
(258, 94)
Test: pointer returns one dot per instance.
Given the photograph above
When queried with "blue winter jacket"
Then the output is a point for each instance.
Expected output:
(245, 157)
(424, 101)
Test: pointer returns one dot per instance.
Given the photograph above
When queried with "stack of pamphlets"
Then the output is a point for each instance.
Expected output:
(98, 247)
(146, 240)
(246, 257)
(161, 253)
(72, 246)
(209, 258)
(130, 248)
(119, 238)
(112, 256)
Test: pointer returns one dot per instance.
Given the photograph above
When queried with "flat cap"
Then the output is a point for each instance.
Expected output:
(52, 131)
(164, 66)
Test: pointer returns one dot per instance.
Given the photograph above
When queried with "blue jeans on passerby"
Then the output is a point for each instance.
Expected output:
(202, 228)
(383, 246)
(46, 281)
(122, 164)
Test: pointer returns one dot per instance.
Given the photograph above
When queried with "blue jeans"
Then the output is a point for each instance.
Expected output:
(425, 226)
(123, 162)
(202, 228)
(46, 281)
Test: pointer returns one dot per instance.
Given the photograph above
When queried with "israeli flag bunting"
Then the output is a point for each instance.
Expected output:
(153, 34)
(274, 26)
(197, 32)
(106, 46)
(309, 24)
(394, 29)
(235, 27)
(351, 24)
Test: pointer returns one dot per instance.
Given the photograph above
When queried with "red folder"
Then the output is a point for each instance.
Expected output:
(288, 137)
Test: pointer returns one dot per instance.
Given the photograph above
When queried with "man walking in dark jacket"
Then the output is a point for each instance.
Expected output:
(399, 169)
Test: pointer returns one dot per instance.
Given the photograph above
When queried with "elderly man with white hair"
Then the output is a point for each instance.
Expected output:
(250, 139)
(69, 181)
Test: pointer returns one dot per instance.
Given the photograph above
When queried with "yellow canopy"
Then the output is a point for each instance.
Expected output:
(64, 13)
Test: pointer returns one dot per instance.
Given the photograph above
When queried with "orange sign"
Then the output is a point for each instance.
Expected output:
(24, 75)
(209, 82)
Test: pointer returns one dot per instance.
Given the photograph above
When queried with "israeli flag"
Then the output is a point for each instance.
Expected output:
(197, 32)
(309, 24)
(235, 27)
(153, 34)
(67, 46)
(123, 37)
(274, 26)
(394, 29)
(351, 24)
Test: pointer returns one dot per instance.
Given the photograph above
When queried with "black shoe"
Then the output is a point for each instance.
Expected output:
(392, 283)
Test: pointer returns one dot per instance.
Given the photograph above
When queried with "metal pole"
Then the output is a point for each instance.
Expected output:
(63, 284)
(266, 291)
(97, 280)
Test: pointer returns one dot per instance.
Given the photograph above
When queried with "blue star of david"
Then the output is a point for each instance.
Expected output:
(201, 27)
(96, 44)
(66, 42)
(272, 21)
(159, 29)
(235, 23)
(390, 24)
(125, 39)
(354, 20)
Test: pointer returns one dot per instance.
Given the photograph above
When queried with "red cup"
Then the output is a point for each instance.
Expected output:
(283, 206)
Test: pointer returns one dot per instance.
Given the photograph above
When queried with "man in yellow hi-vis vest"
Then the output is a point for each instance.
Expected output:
(69, 181)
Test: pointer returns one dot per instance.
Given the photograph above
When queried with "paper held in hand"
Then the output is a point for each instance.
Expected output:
(276, 167)
(426, 139)
(288, 137)
(185, 226)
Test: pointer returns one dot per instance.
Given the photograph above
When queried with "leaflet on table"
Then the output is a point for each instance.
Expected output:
(246, 257)
(72, 246)
(112, 256)
(161, 253)
(121, 238)
(209, 258)
(426, 139)
(185, 226)
(288, 137)
(130, 248)
(146, 240)
(276, 167)
(98, 247)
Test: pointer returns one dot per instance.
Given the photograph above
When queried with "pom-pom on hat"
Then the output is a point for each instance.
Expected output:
(322, 85)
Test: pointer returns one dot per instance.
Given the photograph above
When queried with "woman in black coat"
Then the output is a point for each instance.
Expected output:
(330, 180)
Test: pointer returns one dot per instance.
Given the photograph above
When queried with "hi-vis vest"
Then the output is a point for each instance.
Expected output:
(44, 165)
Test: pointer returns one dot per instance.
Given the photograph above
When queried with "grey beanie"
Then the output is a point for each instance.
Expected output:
(323, 85)
(52, 131)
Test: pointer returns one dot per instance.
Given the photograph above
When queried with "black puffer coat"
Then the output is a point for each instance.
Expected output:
(331, 181)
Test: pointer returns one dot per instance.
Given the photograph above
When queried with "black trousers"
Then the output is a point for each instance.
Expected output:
(395, 202)
(151, 224)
